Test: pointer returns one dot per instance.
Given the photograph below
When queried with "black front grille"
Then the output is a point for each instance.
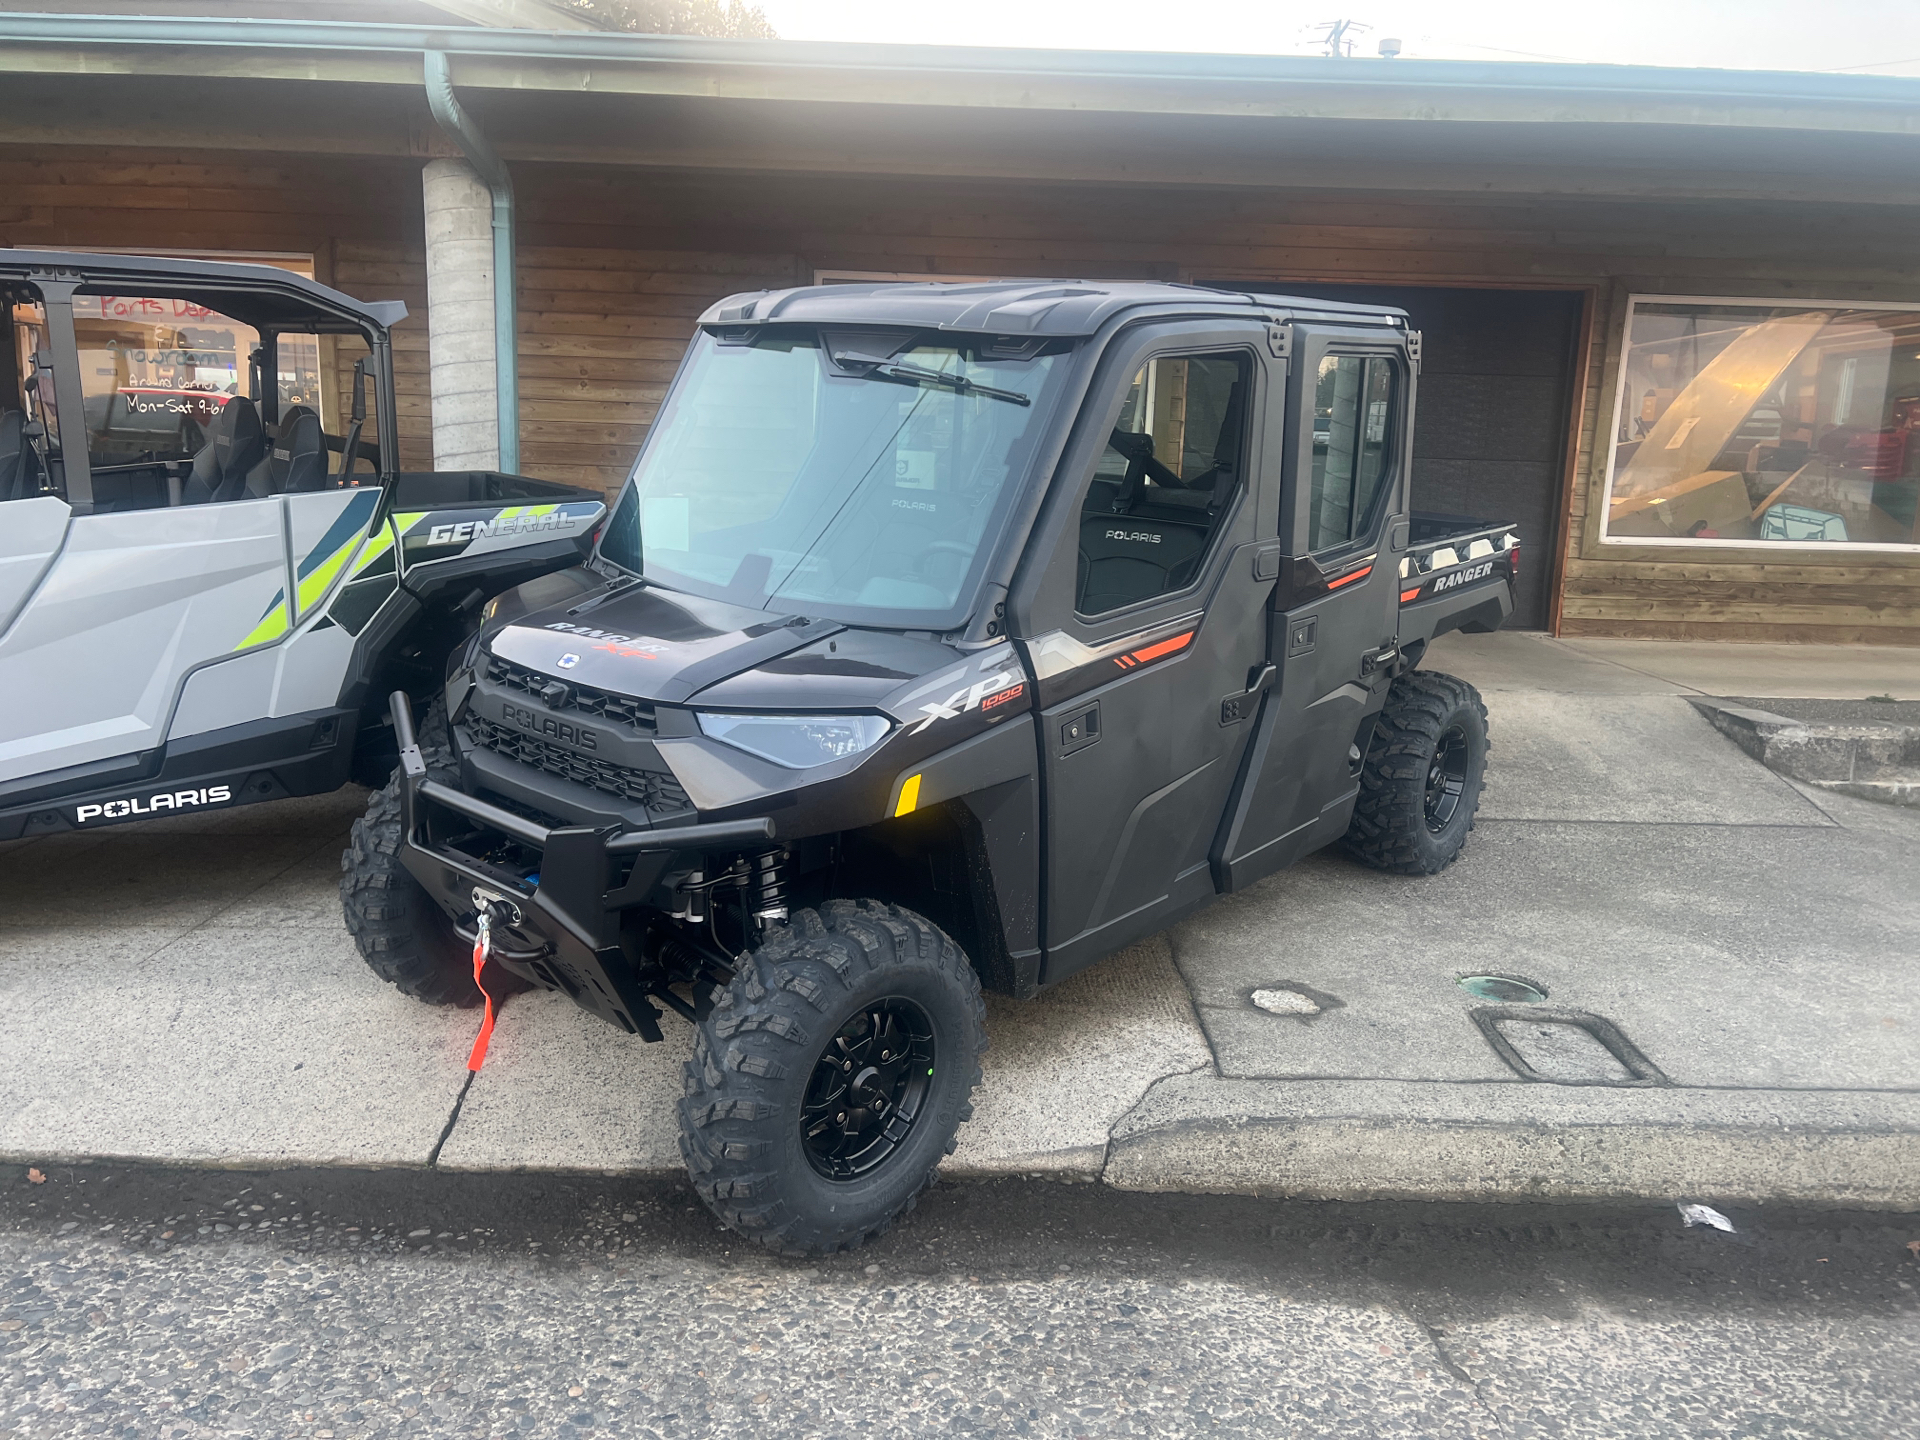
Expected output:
(581, 699)
(655, 789)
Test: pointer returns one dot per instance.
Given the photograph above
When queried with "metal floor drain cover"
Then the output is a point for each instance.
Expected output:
(1507, 989)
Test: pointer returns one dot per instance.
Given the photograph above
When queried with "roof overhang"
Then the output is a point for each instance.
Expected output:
(1176, 119)
(967, 77)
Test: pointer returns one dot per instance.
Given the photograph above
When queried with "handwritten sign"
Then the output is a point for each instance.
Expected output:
(198, 405)
(140, 307)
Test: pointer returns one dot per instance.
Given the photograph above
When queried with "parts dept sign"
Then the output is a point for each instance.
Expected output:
(142, 807)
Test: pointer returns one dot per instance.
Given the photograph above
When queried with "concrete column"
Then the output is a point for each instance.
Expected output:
(466, 432)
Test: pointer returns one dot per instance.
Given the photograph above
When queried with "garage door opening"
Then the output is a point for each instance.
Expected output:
(1495, 401)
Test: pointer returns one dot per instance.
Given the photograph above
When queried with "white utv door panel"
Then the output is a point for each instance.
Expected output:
(30, 536)
(324, 529)
(135, 601)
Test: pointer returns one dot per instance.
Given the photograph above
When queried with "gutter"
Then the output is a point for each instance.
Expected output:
(499, 181)
(1694, 96)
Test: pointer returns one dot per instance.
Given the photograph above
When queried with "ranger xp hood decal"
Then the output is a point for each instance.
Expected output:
(652, 643)
(626, 646)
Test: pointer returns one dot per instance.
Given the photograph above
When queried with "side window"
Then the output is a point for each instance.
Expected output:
(1170, 471)
(179, 410)
(155, 373)
(1352, 448)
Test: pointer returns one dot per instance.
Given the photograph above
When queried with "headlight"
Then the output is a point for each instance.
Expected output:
(798, 742)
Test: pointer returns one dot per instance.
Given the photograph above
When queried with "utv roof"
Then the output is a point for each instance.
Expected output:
(1020, 307)
(264, 296)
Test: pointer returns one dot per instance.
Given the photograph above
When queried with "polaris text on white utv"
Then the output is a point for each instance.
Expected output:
(209, 561)
(944, 637)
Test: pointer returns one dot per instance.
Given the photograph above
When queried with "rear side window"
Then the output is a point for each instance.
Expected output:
(179, 407)
(1168, 475)
(1352, 446)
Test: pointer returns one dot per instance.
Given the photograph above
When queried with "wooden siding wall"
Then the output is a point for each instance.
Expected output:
(615, 264)
(360, 220)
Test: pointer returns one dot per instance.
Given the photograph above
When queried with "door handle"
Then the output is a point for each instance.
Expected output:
(1379, 659)
(1236, 708)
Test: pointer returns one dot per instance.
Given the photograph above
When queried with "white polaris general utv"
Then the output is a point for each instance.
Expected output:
(944, 636)
(210, 562)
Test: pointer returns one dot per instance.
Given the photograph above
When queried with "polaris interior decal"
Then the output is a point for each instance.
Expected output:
(143, 805)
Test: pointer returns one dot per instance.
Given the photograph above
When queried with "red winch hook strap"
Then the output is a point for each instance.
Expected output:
(482, 943)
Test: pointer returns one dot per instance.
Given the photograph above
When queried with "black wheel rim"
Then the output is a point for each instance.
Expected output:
(1446, 778)
(868, 1089)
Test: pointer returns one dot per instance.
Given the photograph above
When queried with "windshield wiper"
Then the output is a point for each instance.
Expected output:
(920, 375)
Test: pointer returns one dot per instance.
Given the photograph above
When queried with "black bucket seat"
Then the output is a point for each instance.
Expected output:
(298, 460)
(236, 443)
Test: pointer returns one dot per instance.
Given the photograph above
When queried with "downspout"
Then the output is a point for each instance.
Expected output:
(492, 170)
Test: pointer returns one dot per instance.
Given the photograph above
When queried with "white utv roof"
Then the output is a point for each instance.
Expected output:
(1020, 307)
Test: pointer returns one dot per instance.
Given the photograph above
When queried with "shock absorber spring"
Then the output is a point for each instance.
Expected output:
(767, 887)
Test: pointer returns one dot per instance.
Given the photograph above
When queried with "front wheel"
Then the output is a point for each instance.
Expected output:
(1420, 782)
(404, 937)
(831, 1077)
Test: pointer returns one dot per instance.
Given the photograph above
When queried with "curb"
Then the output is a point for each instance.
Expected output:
(1870, 762)
(1418, 1140)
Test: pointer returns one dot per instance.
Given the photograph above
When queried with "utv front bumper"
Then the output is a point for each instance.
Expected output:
(560, 927)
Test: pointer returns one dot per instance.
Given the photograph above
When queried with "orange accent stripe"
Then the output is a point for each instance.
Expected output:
(1406, 595)
(1164, 647)
(1349, 579)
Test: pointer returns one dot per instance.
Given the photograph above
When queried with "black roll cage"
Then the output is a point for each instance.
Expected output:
(282, 302)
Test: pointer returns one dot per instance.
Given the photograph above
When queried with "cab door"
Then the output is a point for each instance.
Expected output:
(1336, 609)
(1143, 617)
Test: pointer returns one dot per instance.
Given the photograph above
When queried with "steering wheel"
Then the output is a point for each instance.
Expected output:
(944, 547)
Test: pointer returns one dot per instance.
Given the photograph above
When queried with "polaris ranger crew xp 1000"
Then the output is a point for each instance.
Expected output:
(945, 637)
(212, 571)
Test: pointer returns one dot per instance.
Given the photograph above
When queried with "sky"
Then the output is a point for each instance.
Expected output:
(1867, 37)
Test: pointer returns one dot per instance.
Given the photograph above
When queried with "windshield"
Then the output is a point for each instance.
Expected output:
(852, 477)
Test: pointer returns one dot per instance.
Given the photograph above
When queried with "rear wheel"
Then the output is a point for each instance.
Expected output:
(1421, 779)
(831, 1077)
(404, 937)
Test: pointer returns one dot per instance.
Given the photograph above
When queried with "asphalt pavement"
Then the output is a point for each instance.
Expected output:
(338, 1304)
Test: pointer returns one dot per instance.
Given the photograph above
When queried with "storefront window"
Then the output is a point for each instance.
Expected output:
(1744, 421)
(156, 371)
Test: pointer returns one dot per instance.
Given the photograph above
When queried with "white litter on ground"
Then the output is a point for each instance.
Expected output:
(1285, 1002)
(1706, 1215)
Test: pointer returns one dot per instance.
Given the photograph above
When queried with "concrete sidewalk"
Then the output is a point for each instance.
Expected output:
(184, 990)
